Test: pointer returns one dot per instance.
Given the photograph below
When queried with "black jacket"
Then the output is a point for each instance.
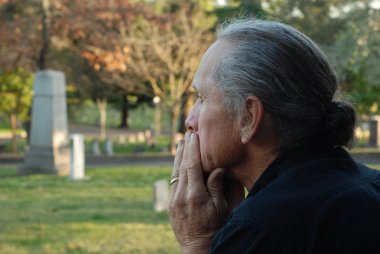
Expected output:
(307, 201)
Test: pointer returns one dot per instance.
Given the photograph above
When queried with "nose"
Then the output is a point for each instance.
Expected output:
(191, 122)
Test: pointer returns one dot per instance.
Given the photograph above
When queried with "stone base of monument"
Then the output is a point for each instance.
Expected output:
(43, 161)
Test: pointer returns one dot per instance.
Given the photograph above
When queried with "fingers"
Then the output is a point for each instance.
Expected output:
(194, 169)
(177, 164)
(196, 210)
(182, 183)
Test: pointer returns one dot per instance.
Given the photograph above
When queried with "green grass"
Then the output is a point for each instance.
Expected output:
(162, 145)
(111, 212)
(374, 166)
(6, 146)
(118, 148)
(9, 130)
(365, 150)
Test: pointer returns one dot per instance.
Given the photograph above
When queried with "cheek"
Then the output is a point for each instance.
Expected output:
(207, 140)
(204, 149)
(220, 153)
(218, 148)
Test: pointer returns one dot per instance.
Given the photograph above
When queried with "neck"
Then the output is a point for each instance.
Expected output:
(255, 161)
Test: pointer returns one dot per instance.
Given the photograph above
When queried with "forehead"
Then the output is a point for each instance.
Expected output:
(214, 54)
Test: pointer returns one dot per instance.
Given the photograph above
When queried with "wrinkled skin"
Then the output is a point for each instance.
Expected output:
(205, 194)
(198, 206)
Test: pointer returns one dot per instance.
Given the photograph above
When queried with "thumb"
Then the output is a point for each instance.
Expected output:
(215, 184)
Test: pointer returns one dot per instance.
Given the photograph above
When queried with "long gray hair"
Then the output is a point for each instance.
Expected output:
(291, 76)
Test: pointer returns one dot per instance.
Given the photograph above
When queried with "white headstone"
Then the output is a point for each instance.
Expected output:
(122, 139)
(148, 134)
(49, 142)
(161, 195)
(95, 147)
(108, 146)
(141, 137)
(77, 157)
(132, 138)
(374, 131)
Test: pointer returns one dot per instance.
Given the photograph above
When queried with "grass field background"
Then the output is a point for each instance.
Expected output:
(111, 212)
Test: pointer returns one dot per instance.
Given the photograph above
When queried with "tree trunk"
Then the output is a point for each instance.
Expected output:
(45, 35)
(174, 115)
(102, 106)
(124, 113)
(157, 119)
(14, 134)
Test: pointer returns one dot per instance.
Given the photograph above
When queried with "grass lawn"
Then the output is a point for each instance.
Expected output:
(111, 212)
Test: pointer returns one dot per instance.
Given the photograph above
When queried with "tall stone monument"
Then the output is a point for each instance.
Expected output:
(49, 151)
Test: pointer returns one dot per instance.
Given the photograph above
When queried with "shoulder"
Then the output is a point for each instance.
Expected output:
(249, 236)
(319, 186)
(321, 199)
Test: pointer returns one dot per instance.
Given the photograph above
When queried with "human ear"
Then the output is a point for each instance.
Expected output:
(252, 119)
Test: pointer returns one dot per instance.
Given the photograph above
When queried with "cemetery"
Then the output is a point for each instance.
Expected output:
(49, 194)
(110, 211)
(91, 110)
(101, 200)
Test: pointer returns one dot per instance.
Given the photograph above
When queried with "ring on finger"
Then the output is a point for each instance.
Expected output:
(173, 180)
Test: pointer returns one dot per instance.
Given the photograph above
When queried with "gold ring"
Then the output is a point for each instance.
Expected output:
(174, 179)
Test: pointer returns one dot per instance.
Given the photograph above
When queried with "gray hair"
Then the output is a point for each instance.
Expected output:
(291, 76)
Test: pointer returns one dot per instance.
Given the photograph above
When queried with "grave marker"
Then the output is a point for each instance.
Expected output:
(77, 157)
(49, 151)
(161, 195)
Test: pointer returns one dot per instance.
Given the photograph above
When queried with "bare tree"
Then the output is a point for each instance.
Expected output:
(165, 52)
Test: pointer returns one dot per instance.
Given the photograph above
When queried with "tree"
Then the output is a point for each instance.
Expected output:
(355, 55)
(348, 31)
(19, 34)
(317, 19)
(95, 35)
(165, 52)
(128, 101)
(16, 97)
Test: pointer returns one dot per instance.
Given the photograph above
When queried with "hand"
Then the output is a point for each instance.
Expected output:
(197, 209)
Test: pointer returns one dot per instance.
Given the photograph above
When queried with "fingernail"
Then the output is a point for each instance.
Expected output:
(180, 143)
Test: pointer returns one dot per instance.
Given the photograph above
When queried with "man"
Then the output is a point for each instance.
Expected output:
(268, 118)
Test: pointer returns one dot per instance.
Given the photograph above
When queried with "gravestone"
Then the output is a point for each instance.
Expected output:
(141, 137)
(161, 195)
(77, 157)
(95, 147)
(374, 131)
(49, 150)
(108, 146)
(132, 138)
(122, 139)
